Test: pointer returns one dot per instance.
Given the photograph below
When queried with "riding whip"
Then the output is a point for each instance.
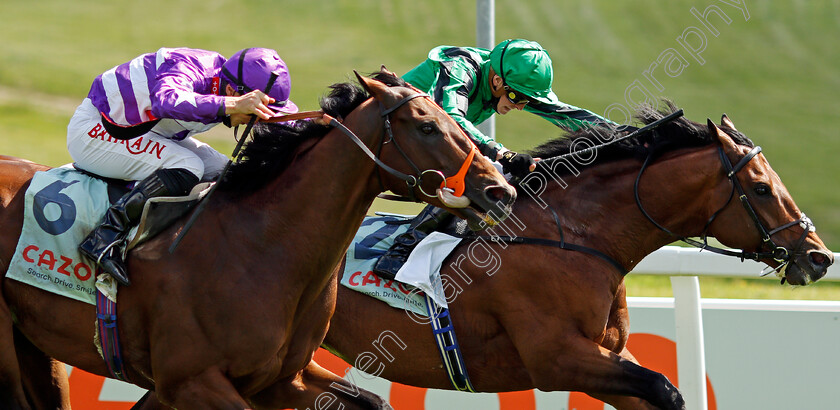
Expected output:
(647, 128)
(204, 200)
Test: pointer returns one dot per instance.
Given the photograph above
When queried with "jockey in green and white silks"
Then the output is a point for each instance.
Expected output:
(470, 85)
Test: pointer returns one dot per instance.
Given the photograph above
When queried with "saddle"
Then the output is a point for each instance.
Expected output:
(158, 213)
(374, 237)
(62, 206)
(422, 294)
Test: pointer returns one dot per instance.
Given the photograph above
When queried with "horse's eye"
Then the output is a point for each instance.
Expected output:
(428, 128)
(762, 189)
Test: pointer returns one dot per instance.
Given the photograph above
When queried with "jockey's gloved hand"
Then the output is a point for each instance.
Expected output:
(517, 164)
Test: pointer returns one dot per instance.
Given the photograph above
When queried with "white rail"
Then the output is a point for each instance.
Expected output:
(684, 265)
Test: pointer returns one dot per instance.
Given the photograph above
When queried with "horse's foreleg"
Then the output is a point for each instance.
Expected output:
(150, 401)
(12, 395)
(624, 402)
(44, 378)
(316, 387)
(208, 390)
(582, 365)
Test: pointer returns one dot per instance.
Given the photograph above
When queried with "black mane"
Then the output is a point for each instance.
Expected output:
(677, 134)
(273, 145)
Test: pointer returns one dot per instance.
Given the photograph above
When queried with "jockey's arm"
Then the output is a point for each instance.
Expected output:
(455, 101)
(568, 116)
(173, 96)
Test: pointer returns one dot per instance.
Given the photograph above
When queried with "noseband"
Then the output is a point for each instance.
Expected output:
(778, 253)
(456, 181)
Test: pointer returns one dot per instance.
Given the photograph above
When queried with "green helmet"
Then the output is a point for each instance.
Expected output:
(524, 66)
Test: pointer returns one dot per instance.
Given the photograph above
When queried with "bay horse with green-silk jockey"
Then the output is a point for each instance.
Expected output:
(533, 315)
(233, 318)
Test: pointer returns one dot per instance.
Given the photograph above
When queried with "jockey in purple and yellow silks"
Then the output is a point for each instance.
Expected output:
(471, 84)
(138, 122)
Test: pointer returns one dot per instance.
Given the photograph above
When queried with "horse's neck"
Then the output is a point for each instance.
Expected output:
(598, 208)
(319, 201)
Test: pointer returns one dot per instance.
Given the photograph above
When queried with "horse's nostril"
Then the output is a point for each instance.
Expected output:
(498, 194)
(819, 259)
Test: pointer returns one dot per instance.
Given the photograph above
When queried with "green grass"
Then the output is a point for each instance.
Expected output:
(775, 75)
(29, 132)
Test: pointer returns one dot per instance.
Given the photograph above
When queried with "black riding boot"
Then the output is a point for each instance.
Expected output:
(421, 226)
(104, 245)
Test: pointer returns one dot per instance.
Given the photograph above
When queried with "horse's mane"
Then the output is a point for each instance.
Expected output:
(274, 145)
(677, 134)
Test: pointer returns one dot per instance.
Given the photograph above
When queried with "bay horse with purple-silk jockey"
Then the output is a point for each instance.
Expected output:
(233, 318)
(557, 319)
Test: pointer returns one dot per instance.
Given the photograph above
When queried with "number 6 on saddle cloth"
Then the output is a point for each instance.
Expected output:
(62, 206)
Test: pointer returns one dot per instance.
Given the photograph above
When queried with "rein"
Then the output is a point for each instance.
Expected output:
(561, 244)
(777, 253)
(456, 181)
(647, 128)
(412, 181)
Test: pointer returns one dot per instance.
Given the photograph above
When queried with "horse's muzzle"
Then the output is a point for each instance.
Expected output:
(808, 267)
(492, 207)
(818, 262)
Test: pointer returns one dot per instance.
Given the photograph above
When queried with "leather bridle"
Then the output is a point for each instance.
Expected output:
(774, 251)
(455, 184)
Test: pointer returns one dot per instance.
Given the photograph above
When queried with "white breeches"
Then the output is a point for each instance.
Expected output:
(94, 150)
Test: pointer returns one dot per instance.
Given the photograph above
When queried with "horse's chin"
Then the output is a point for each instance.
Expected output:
(794, 275)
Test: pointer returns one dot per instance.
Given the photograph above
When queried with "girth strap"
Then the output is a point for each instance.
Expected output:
(109, 337)
(447, 345)
(559, 244)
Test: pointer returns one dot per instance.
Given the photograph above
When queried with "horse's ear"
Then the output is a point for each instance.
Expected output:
(363, 81)
(724, 120)
(724, 139)
(387, 71)
(374, 87)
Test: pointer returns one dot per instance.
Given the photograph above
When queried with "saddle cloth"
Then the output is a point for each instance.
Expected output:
(61, 207)
(418, 277)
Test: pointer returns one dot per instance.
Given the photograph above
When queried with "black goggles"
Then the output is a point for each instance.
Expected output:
(516, 97)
